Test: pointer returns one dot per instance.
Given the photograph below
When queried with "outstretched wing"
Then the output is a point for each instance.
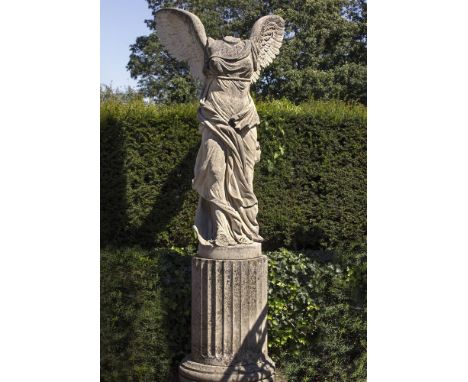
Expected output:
(267, 37)
(183, 35)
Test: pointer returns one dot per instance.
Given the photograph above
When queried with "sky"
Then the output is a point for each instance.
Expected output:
(122, 21)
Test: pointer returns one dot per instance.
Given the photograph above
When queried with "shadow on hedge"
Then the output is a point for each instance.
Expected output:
(174, 274)
(145, 313)
(113, 182)
(169, 202)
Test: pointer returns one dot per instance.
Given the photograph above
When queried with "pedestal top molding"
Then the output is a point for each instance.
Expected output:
(237, 252)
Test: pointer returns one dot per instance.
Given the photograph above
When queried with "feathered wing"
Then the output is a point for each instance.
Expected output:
(267, 37)
(183, 35)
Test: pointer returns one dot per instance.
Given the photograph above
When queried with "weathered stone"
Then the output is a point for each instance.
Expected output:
(196, 372)
(224, 168)
(229, 276)
(229, 309)
(237, 252)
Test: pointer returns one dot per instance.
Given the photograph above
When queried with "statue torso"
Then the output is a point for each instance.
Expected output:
(229, 48)
(229, 69)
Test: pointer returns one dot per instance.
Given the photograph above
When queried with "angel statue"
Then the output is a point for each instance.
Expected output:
(227, 210)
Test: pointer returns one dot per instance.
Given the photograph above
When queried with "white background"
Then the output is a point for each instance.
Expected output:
(49, 185)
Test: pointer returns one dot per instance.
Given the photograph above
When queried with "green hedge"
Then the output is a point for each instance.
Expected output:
(311, 187)
(310, 182)
(317, 315)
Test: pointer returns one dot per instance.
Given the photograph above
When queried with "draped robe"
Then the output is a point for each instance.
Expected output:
(227, 208)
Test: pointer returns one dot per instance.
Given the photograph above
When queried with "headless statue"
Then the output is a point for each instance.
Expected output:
(227, 209)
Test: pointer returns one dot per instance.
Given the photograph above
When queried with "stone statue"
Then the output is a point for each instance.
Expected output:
(224, 169)
(229, 273)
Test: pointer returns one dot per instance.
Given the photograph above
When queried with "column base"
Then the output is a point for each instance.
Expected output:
(190, 371)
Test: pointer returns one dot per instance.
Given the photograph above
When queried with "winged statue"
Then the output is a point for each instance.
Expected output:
(223, 177)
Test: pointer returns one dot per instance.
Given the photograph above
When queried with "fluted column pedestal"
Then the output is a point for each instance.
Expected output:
(229, 309)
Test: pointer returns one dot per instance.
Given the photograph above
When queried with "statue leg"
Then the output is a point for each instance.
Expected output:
(218, 221)
(252, 156)
(223, 234)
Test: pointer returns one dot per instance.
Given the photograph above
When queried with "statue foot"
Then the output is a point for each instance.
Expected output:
(223, 240)
(258, 239)
(244, 240)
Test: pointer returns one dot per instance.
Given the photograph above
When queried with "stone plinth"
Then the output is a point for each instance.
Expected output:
(229, 309)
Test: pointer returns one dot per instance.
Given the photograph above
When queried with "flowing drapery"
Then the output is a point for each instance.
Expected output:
(227, 209)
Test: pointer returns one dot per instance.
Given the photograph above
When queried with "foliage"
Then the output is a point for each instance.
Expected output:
(317, 316)
(313, 163)
(323, 55)
(107, 93)
(132, 343)
(145, 317)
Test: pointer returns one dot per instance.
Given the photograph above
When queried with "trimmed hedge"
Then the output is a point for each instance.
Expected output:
(311, 187)
(317, 315)
(145, 314)
(310, 182)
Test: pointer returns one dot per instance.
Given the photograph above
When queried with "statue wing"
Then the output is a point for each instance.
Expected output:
(183, 35)
(267, 37)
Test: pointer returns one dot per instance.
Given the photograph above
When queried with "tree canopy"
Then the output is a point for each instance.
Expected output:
(324, 53)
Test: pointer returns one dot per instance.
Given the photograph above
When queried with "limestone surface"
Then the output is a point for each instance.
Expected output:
(229, 332)
(229, 275)
(224, 169)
